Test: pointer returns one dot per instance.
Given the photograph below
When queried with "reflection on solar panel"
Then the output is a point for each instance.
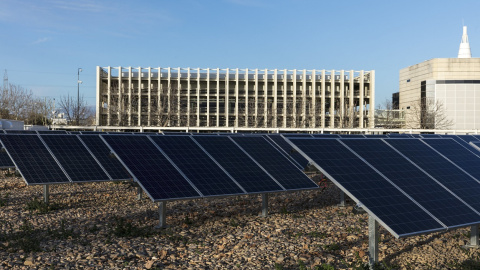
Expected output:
(458, 140)
(396, 135)
(275, 163)
(75, 158)
(352, 136)
(150, 168)
(400, 215)
(465, 158)
(238, 164)
(442, 204)
(467, 138)
(74, 132)
(326, 135)
(51, 132)
(13, 131)
(415, 136)
(33, 160)
(92, 132)
(450, 176)
(102, 153)
(289, 150)
(297, 135)
(375, 136)
(430, 136)
(199, 168)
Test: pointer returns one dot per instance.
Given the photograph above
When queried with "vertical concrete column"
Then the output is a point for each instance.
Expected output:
(218, 98)
(109, 96)
(304, 98)
(120, 108)
(373, 238)
(313, 113)
(130, 96)
(139, 122)
(247, 104)
(371, 109)
(99, 99)
(169, 93)
(227, 99)
(332, 99)
(275, 98)
(265, 97)
(352, 97)
(179, 91)
(285, 97)
(46, 193)
(256, 98)
(188, 96)
(149, 105)
(208, 97)
(159, 94)
(362, 95)
(237, 102)
(198, 96)
(294, 103)
(162, 215)
(343, 114)
(323, 83)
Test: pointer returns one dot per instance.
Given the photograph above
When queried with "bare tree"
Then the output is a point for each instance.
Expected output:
(72, 108)
(386, 116)
(428, 113)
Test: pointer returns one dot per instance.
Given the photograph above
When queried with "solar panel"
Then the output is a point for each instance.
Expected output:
(102, 153)
(51, 132)
(33, 160)
(2, 131)
(434, 198)
(13, 131)
(458, 140)
(445, 172)
(415, 136)
(238, 164)
(176, 133)
(5, 160)
(74, 132)
(199, 168)
(467, 159)
(396, 135)
(150, 168)
(375, 136)
(275, 163)
(74, 157)
(430, 136)
(468, 138)
(399, 214)
(92, 132)
(119, 133)
(280, 142)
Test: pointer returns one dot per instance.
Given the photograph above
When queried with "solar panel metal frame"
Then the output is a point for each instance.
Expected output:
(51, 154)
(444, 228)
(135, 179)
(20, 131)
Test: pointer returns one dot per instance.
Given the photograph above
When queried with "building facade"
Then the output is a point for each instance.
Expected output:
(450, 86)
(184, 97)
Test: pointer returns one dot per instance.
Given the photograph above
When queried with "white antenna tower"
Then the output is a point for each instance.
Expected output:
(464, 50)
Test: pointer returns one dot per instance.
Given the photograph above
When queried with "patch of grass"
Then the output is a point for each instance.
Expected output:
(233, 222)
(26, 239)
(284, 211)
(40, 206)
(63, 232)
(278, 266)
(121, 227)
(4, 200)
(324, 266)
(331, 247)
(301, 265)
(316, 234)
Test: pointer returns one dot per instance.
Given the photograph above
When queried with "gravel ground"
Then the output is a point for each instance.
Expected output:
(103, 226)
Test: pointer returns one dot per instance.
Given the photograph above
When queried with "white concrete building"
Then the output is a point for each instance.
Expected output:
(178, 97)
(452, 82)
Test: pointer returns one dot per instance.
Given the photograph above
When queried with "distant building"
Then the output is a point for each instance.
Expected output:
(184, 97)
(453, 83)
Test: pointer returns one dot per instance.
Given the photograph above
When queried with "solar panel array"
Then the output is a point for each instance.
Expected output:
(409, 185)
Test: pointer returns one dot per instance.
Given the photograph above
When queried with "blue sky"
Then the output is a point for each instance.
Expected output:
(44, 42)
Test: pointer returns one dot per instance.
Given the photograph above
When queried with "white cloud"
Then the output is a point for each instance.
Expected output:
(40, 40)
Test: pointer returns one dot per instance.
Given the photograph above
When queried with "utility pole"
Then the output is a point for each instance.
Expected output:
(78, 95)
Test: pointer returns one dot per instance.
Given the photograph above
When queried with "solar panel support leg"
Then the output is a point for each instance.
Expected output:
(264, 204)
(46, 193)
(162, 219)
(373, 238)
(474, 237)
(139, 193)
(342, 199)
